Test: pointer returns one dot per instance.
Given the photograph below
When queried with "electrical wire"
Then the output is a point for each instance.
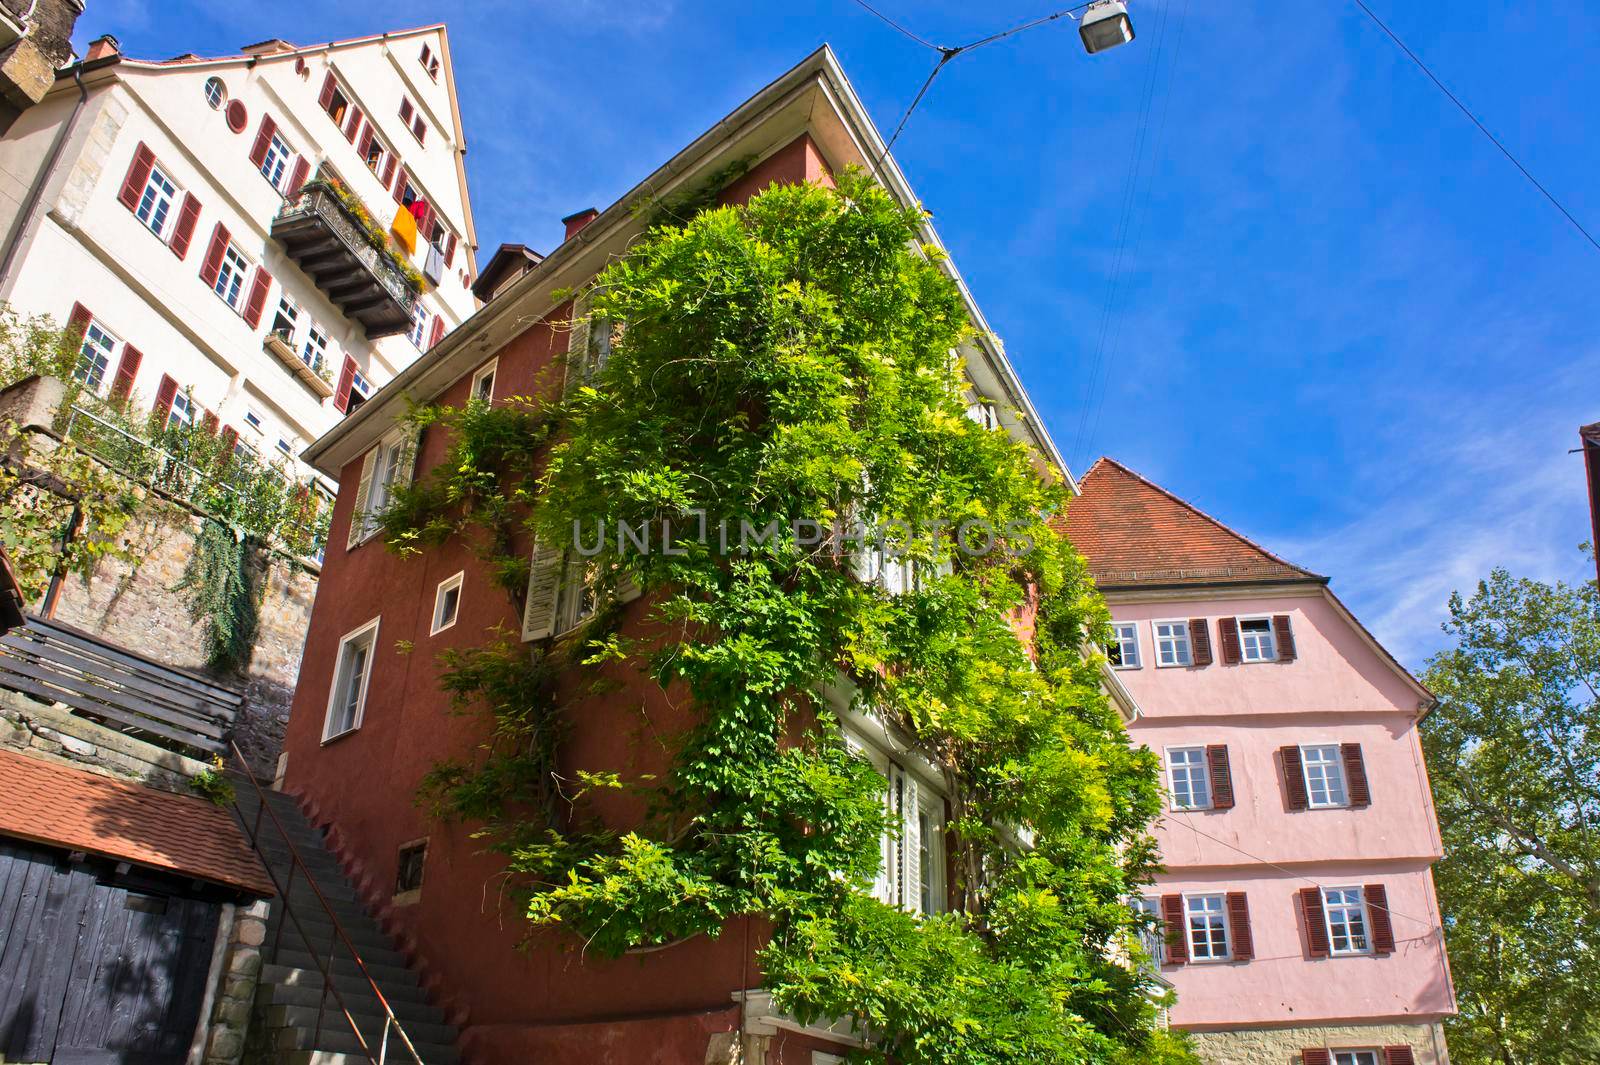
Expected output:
(1481, 127)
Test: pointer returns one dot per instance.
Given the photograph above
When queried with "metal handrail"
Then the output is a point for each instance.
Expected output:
(391, 1022)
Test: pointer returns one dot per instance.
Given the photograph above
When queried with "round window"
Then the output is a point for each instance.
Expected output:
(216, 93)
(237, 117)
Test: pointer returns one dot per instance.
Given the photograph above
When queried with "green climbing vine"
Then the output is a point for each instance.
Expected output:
(787, 367)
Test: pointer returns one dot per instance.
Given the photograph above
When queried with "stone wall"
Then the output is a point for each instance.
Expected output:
(56, 734)
(228, 1025)
(1282, 1046)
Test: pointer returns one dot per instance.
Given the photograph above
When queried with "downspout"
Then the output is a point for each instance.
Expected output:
(46, 172)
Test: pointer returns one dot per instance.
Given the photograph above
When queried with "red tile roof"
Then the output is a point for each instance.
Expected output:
(1134, 532)
(63, 807)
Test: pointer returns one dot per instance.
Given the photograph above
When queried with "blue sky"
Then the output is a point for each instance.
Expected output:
(1341, 322)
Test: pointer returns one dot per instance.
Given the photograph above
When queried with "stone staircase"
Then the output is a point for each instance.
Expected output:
(285, 1028)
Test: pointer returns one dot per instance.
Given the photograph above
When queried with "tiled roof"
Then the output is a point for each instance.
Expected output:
(1134, 532)
(49, 803)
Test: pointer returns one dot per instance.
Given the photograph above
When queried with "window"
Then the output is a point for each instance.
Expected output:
(446, 603)
(314, 353)
(1356, 1057)
(914, 856)
(1255, 640)
(1324, 769)
(216, 93)
(387, 463)
(359, 384)
(483, 382)
(930, 853)
(1150, 937)
(94, 358)
(156, 202)
(575, 602)
(252, 418)
(285, 446)
(1347, 920)
(1172, 643)
(1208, 927)
(1123, 651)
(335, 102)
(377, 157)
(430, 62)
(419, 326)
(275, 165)
(183, 411)
(411, 117)
(1189, 778)
(230, 276)
(347, 700)
(286, 322)
(408, 870)
(984, 414)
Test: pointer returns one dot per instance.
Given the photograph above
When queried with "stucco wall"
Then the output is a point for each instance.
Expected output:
(1282, 1046)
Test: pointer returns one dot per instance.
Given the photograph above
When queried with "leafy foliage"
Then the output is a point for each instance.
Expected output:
(223, 594)
(1514, 753)
(791, 360)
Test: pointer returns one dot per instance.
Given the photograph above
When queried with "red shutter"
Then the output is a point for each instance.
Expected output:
(258, 151)
(78, 322)
(405, 110)
(1244, 944)
(138, 174)
(325, 101)
(450, 253)
(1399, 1056)
(1199, 640)
(166, 392)
(436, 334)
(1355, 775)
(1285, 635)
(298, 177)
(353, 126)
(1378, 913)
(1176, 932)
(400, 186)
(388, 169)
(365, 142)
(1294, 778)
(1316, 922)
(188, 215)
(420, 128)
(230, 438)
(1228, 630)
(258, 297)
(347, 377)
(209, 422)
(1221, 776)
(213, 260)
(127, 370)
(1315, 1056)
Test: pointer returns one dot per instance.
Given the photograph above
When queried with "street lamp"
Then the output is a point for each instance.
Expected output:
(1105, 25)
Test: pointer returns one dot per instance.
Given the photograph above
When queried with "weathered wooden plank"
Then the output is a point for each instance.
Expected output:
(178, 675)
(11, 679)
(127, 703)
(56, 653)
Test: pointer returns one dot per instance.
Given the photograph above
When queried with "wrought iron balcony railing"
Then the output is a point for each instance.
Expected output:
(338, 252)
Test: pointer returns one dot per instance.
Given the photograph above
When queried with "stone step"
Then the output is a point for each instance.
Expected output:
(376, 950)
(392, 980)
(363, 932)
(360, 1001)
(371, 1023)
(342, 1039)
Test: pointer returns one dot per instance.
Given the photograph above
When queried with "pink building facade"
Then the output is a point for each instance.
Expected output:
(1300, 925)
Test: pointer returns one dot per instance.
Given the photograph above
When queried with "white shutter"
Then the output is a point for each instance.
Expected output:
(544, 583)
(911, 846)
(358, 512)
(578, 344)
(627, 588)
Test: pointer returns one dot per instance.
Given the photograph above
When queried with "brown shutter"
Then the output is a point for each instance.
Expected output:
(405, 110)
(353, 125)
(298, 178)
(420, 128)
(365, 142)
(166, 392)
(1244, 944)
(326, 99)
(1228, 631)
(138, 174)
(212, 265)
(188, 215)
(400, 186)
(1199, 636)
(1378, 913)
(436, 334)
(450, 253)
(78, 323)
(388, 169)
(258, 151)
(1294, 778)
(230, 438)
(1355, 775)
(1176, 931)
(1316, 922)
(127, 370)
(1315, 1056)
(1221, 776)
(258, 297)
(209, 422)
(1285, 637)
(1399, 1056)
(347, 377)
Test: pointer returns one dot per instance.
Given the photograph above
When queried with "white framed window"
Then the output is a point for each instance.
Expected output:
(984, 414)
(286, 446)
(483, 382)
(1123, 650)
(1346, 912)
(231, 276)
(446, 603)
(359, 384)
(1150, 937)
(930, 852)
(347, 701)
(286, 320)
(911, 867)
(275, 165)
(430, 62)
(1256, 642)
(183, 411)
(216, 93)
(94, 358)
(386, 465)
(1172, 643)
(157, 203)
(252, 419)
(1357, 1057)
(378, 157)
(419, 325)
(314, 352)
(1189, 778)
(1207, 917)
(1324, 770)
(575, 599)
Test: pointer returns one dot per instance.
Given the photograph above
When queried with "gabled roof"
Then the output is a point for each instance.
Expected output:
(506, 258)
(1135, 533)
(79, 811)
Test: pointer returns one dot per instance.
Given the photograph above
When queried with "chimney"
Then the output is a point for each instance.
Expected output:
(103, 46)
(575, 222)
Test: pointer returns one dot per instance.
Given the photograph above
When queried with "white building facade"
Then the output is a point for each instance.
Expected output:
(200, 220)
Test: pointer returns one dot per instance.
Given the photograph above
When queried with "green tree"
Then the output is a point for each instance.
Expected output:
(1514, 752)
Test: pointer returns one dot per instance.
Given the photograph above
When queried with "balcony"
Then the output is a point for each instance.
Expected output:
(348, 257)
